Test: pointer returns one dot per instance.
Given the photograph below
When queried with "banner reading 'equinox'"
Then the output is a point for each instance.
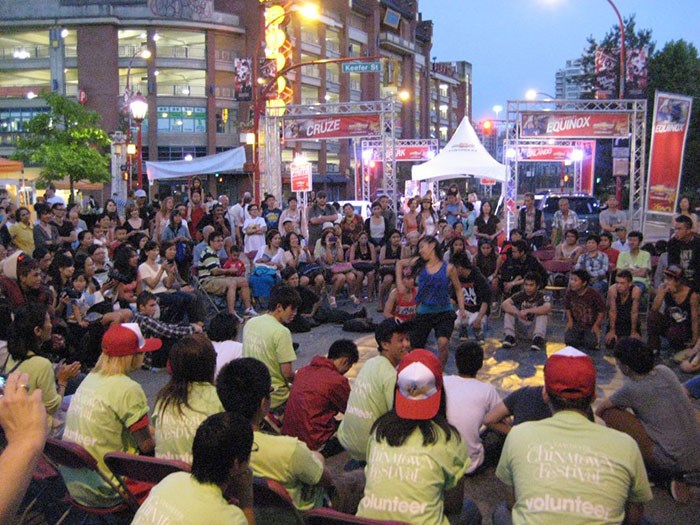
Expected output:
(579, 125)
(668, 133)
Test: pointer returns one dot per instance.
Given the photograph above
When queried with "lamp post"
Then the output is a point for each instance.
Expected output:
(621, 85)
(127, 109)
(139, 109)
(531, 94)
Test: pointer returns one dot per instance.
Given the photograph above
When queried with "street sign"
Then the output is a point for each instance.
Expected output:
(362, 67)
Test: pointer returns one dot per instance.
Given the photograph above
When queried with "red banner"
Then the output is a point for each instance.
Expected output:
(337, 127)
(546, 153)
(574, 125)
(607, 73)
(669, 131)
(405, 153)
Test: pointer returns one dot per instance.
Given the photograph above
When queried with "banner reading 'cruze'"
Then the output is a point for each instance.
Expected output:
(580, 125)
(668, 133)
(336, 127)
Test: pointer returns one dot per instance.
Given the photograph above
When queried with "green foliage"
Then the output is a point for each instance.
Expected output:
(634, 38)
(676, 69)
(66, 142)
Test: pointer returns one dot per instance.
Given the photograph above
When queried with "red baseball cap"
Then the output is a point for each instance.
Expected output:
(126, 339)
(569, 373)
(419, 385)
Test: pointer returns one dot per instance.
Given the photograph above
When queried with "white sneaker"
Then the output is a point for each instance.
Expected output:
(354, 299)
(251, 312)
(331, 301)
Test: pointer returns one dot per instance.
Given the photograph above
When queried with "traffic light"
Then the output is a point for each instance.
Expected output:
(487, 126)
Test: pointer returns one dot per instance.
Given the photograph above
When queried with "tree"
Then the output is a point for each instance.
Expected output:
(611, 41)
(66, 142)
(676, 69)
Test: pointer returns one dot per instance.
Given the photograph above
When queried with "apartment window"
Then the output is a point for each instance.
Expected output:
(180, 44)
(181, 82)
(182, 119)
(180, 152)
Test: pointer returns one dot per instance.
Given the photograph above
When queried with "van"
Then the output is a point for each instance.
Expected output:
(362, 208)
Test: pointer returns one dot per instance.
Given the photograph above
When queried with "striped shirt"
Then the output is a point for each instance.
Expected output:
(208, 262)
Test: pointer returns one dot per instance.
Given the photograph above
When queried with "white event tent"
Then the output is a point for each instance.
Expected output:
(463, 156)
(231, 160)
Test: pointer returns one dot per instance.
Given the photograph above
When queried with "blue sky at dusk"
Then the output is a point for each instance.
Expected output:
(515, 45)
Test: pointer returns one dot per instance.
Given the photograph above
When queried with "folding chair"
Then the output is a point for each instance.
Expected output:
(65, 455)
(144, 469)
(42, 477)
(213, 301)
(333, 517)
(273, 505)
(553, 268)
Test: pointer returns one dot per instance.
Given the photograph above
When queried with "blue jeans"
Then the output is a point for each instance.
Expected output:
(693, 386)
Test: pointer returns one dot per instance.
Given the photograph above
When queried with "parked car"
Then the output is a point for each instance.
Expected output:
(586, 207)
(363, 208)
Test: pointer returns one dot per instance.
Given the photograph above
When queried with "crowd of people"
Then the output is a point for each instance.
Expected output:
(170, 284)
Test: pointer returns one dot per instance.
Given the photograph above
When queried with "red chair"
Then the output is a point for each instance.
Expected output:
(65, 455)
(43, 474)
(333, 517)
(273, 505)
(143, 469)
(557, 266)
(544, 255)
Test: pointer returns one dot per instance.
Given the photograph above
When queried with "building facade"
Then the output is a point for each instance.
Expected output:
(92, 50)
(565, 83)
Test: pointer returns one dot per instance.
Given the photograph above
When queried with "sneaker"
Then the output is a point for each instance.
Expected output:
(680, 492)
(480, 338)
(238, 318)
(354, 299)
(509, 342)
(538, 344)
(251, 312)
(331, 301)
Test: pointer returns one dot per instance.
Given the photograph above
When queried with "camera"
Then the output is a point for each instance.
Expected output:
(119, 276)
(70, 292)
(332, 238)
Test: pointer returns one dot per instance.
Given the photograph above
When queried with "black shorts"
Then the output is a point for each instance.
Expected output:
(420, 326)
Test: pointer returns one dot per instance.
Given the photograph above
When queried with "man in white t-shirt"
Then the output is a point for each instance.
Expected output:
(468, 402)
(51, 197)
(222, 332)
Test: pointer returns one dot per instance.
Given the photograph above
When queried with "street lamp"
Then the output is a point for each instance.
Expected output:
(139, 109)
(531, 94)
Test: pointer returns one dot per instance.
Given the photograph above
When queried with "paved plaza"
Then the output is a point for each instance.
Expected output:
(507, 370)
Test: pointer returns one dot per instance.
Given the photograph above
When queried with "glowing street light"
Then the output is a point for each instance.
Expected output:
(532, 94)
(139, 109)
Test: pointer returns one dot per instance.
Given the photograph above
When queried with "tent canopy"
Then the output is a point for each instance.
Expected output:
(10, 166)
(463, 156)
(231, 160)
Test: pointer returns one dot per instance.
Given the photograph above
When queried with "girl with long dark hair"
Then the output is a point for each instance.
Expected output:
(188, 398)
(415, 456)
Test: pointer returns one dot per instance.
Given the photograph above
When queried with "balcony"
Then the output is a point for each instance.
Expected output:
(396, 43)
(362, 6)
(424, 31)
(405, 7)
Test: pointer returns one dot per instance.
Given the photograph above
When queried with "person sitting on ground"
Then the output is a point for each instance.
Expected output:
(219, 281)
(674, 313)
(663, 421)
(319, 393)
(244, 388)
(534, 451)
(268, 262)
(373, 391)
(623, 309)
(605, 246)
(402, 305)
(267, 339)
(569, 249)
(312, 311)
(527, 403)
(21, 282)
(188, 398)
(477, 297)
(486, 260)
(389, 254)
(109, 412)
(416, 432)
(468, 402)
(145, 317)
(30, 329)
(220, 471)
(595, 264)
(528, 311)
(585, 312)
(637, 261)
(518, 265)
(222, 332)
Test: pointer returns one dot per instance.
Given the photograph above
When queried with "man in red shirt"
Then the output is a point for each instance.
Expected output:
(605, 246)
(319, 392)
